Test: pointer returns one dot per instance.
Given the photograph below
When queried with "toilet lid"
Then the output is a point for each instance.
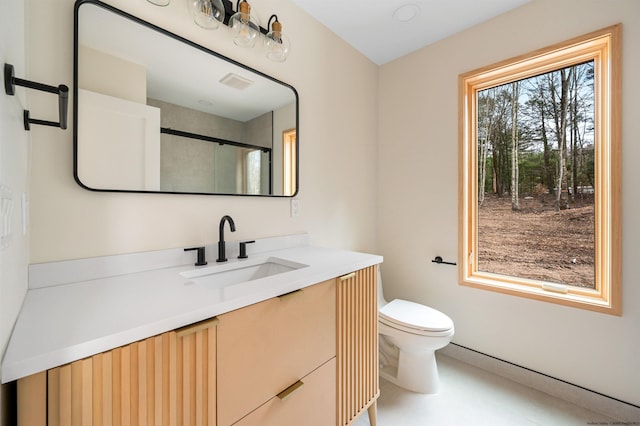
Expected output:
(415, 316)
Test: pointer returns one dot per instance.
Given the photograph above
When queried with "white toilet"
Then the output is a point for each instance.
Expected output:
(409, 335)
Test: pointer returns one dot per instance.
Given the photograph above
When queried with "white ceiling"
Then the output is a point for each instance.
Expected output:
(369, 26)
(177, 73)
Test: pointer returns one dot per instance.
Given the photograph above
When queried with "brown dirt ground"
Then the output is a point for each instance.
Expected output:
(537, 242)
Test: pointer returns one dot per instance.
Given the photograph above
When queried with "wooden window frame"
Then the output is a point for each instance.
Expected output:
(604, 48)
(289, 162)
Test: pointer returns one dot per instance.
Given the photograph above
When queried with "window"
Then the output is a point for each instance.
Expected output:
(539, 174)
(289, 163)
(253, 165)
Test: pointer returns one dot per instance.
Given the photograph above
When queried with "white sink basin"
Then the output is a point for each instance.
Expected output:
(226, 274)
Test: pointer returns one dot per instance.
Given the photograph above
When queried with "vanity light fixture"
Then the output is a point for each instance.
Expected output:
(247, 30)
(207, 14)
(276, 44)
(244, 26)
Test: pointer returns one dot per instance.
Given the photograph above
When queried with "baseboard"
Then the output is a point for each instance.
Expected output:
(577, 395)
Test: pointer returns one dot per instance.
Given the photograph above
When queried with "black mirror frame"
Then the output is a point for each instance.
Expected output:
(190, 43)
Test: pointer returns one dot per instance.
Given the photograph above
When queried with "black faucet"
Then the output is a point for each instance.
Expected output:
(221, 244)
(201, 256)
(243, 249)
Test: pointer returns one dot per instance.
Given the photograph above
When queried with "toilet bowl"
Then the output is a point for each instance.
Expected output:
(409, 335)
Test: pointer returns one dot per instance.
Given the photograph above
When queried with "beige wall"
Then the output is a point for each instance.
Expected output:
(14, 169)
(418, 200)
(109, 75)
(337, 136)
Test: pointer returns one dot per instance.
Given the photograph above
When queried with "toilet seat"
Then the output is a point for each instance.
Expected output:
(414, 318)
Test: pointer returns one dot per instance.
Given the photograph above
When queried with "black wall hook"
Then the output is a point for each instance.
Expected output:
(439, 260)
(10, 83)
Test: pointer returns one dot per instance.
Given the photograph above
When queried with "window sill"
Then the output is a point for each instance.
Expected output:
(576, 297)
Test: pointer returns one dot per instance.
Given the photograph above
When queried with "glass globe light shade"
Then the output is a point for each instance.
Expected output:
(276, 44)
(244, 27)
(206, 14)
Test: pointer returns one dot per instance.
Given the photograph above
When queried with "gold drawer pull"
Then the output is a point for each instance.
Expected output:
(291, 389)
(348, 276)
(199, 326)
(291, 293)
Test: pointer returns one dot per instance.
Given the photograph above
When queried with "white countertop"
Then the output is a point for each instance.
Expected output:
(65, 322)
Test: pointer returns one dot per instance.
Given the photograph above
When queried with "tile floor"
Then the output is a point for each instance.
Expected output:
(471, 396)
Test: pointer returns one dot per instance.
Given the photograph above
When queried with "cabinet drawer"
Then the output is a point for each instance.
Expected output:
(264, 348)
(312, 404)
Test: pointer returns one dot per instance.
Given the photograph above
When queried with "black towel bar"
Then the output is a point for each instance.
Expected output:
(10, 83)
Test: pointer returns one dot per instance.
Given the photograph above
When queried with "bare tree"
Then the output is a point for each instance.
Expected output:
(500, 141)
(488, 105)
(515, 201)
(546, 153)
(560, 108)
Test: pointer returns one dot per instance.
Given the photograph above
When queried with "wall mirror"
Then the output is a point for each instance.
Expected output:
(154, 112)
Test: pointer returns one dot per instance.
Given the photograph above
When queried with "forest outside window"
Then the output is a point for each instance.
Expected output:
(539, 170)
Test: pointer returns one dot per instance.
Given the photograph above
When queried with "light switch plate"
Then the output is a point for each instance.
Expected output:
(295, 207)
(25, 214)
(6, 212)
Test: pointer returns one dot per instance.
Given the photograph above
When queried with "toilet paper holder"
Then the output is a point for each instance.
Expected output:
(438, 260)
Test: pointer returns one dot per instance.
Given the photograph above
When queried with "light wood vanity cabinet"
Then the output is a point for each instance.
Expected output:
(307, 357)
(165, 379)
(357, 350)
(270, 347)
(312, 404)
